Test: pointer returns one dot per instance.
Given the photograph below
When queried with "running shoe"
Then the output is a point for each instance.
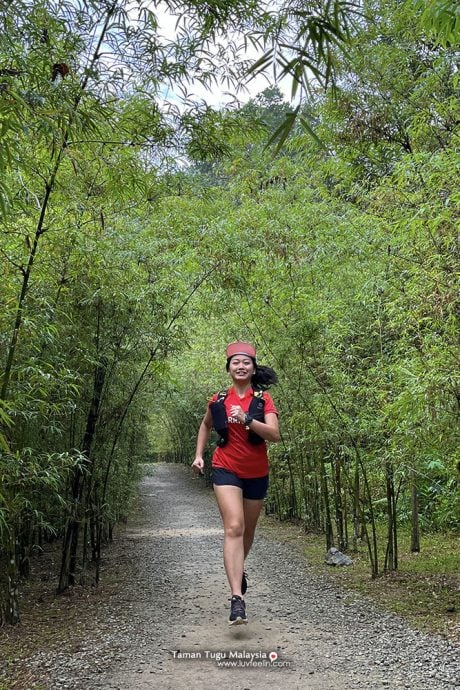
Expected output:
(238, 611)
(244, 583)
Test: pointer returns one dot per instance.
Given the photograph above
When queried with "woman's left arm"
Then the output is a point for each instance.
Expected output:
(268, 429)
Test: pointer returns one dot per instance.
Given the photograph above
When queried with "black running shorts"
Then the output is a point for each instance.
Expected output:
(255, 489)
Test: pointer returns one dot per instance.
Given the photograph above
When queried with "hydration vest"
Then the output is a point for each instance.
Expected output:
(219, 416)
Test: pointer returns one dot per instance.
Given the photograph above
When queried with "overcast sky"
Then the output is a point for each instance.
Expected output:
(218, 97)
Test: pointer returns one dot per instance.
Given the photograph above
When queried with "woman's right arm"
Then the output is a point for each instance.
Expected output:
(202, 440)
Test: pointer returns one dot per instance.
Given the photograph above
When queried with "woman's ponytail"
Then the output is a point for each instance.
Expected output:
(264, 377)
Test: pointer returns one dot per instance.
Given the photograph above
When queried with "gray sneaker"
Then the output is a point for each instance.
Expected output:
(238, 611)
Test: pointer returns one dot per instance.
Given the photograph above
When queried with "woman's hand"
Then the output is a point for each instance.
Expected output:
(198, 465)
(237, 412)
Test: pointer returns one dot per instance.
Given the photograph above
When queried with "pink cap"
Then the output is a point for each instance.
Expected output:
(240, 348)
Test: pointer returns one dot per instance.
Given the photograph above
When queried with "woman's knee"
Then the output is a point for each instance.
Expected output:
(234, 529)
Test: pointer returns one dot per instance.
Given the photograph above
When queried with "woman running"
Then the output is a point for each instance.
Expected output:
(245, 418)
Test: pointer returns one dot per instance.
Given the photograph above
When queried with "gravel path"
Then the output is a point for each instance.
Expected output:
(177, 604)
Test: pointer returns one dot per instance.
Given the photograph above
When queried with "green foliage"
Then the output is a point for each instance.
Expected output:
(441, 18)
(31, 484)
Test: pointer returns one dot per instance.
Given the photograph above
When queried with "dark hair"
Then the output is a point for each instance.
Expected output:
(262, 378)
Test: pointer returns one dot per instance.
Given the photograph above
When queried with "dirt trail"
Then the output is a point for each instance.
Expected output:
(178, 602)
(323, 641)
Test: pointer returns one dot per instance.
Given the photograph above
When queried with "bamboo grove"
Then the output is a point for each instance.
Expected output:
(138, 237)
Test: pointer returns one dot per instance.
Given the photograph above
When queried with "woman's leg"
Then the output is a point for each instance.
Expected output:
(251, 512)
(230, 502)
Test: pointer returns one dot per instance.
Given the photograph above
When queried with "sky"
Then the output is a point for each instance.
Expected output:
(218, 97)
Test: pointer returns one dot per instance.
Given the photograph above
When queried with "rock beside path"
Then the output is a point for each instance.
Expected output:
(336, 557)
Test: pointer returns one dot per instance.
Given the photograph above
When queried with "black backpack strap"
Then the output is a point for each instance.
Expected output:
(219, 417)
(221, 395)
(257, 412)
